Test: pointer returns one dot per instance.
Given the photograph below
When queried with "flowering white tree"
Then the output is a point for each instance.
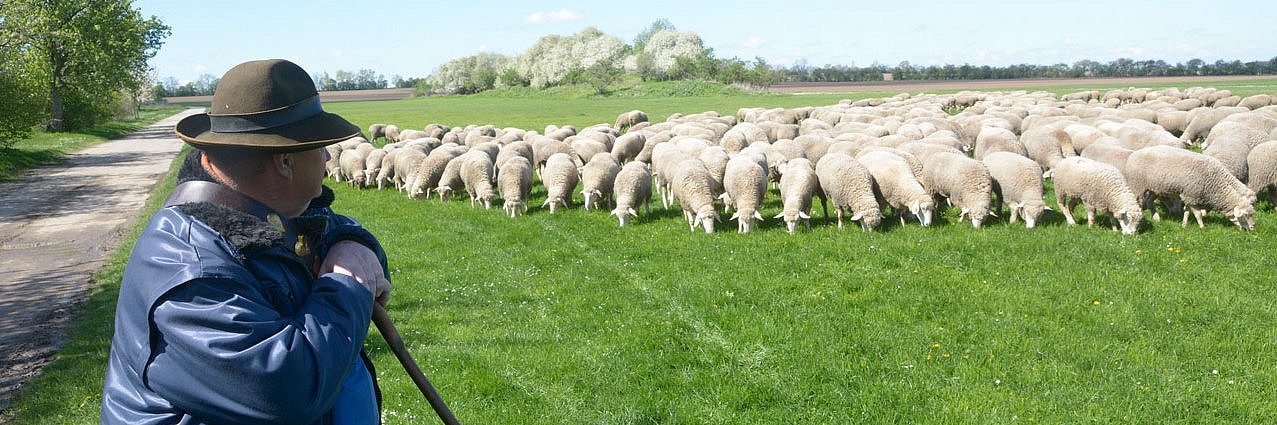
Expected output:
(553, 57)
(469, 74)
(666, 46)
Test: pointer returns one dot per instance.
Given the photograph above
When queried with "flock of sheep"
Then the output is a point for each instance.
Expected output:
(1117, 153)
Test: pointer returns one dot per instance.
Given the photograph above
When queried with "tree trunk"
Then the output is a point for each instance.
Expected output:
(56, 109)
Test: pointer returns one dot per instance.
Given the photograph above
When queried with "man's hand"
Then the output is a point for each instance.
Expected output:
(355, 260)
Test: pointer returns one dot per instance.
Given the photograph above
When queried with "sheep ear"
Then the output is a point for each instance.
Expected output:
(803, 215)
(723, 197)
(631, 212)
(546, 204)
(858, 216)
(735, 216)
(758, 216)
(1048, 208)
(993, 214)
(781, 215)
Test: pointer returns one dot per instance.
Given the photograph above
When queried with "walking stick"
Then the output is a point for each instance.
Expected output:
(387, 329)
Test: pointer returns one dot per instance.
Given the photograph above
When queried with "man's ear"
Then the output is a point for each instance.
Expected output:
(283, 164)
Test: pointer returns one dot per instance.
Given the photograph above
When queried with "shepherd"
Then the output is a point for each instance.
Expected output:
(246, 299)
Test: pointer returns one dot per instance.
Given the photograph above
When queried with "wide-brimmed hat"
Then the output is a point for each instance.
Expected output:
(265, 105)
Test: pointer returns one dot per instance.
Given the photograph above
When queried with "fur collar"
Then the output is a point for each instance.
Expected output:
(244, 232)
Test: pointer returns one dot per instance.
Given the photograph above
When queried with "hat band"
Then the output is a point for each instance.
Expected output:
(266, 120)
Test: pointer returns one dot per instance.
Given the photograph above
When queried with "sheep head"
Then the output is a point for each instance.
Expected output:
(1243, 216)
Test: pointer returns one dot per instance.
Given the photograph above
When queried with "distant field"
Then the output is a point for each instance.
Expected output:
(569, 319)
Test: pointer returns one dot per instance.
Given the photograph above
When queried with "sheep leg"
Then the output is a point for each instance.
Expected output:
(1198, 213)
(1090, 215)
(1014, 212)
(838, 211)
(1066, 207)
(1184, 223)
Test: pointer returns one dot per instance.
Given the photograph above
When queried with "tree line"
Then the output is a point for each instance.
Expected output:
(1122, 67)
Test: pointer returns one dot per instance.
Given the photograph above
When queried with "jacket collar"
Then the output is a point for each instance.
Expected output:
(246, 224)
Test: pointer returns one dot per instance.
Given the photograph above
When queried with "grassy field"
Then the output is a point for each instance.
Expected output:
(569, 319)
(44, 148)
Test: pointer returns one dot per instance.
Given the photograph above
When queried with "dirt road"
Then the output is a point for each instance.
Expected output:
(57, 226)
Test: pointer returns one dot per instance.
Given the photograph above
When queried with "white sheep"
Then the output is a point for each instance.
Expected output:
(745, 185)
(1232, 151)
(1100, 188)
(352, 164)
(628, 146)
(1200, 123)
(898, 186)
(373, 164)
(425, 175)
(1047, 145)
(629, 119)
(1262, 167)
(560, 177)
(691, 183)
(849, 186)
(1200, 181)
(996, 139)
(514, 181)
(476, 175)
(1017, 183)
(633, 189)
(798, 183)
(597, 178)
(1109, 152)
(965, 182)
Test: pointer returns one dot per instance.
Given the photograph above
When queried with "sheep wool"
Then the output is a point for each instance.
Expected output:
(797, 185)
(597, 179)
(560, 178)
(1200, 181)
(514, 180)
(964, 181)
(1017, 183)
(849, 186)
(898, 186)
(632, 188)
(1100, 188)
(745, 185)
(691, 183)
(476, 175)
(1262, 167)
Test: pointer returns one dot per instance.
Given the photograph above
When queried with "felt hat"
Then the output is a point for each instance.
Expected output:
(265, 105)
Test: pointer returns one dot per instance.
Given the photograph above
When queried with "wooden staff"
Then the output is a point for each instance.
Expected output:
(387, 329)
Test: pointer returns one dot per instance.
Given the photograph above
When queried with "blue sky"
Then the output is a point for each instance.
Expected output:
(412, 38)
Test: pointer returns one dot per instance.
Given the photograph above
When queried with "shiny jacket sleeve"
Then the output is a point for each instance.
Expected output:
(222, 353)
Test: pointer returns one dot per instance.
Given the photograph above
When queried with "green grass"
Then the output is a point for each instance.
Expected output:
(569, 319)
(45, 148)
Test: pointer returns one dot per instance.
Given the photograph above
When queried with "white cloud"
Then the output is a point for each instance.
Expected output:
(335, 53)
(754, 42)
(561, 15)
(200, 68)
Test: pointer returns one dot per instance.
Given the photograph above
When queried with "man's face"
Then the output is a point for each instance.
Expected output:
(308, 175)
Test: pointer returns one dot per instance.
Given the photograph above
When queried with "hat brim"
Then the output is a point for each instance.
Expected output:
(321, 130)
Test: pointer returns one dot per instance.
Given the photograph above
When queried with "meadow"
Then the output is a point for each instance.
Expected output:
(570, 319)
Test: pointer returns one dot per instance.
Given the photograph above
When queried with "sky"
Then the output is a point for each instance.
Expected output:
(412, 38)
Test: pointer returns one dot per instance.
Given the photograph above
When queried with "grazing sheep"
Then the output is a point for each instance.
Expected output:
(476, 175)
(633, 188)
(1017, 183)
(922, 150)
(404, 163)
(1256, 101)
(597, 178)
(1047, 146)
(1262, 167)
(898, 185)
(514, 180)
(1173, 121)
(1199, 125)
(516, 149)
(1251, 127)
(629, 119)
(560, 177)
(425, 175)
(995, 139)
(450, 182)
(1100, 188)
(585, 149)
(1108, 152)
(691, 183)
(332, 165)
(628, 146)
(1200, 181)
(964, 181)
(391, 132)
(849, 186)
(352, 163)
(1082, 135)
(745, 183)
(715, 159)
(1232, 151)
(797, 185)
(377, 131)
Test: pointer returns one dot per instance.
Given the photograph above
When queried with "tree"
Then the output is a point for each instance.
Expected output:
(89, 50)
(645, 36)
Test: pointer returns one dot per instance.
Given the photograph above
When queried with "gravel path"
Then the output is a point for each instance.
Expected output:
(57, 226)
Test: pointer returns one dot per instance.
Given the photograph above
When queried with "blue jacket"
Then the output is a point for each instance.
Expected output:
(220, 320)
